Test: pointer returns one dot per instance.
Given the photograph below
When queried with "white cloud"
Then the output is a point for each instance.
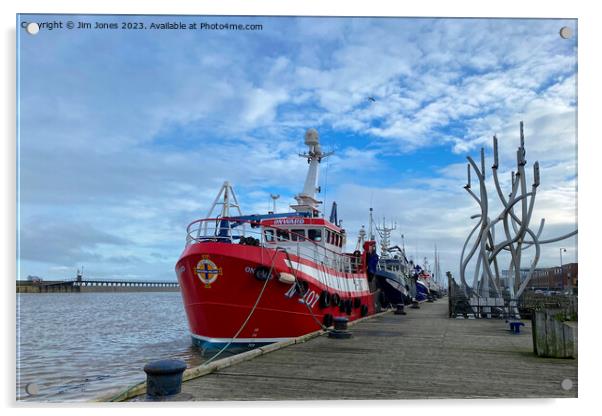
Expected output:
(262, 104)
(139, 138)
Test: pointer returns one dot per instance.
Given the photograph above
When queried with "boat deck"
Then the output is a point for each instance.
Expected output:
(421, 355)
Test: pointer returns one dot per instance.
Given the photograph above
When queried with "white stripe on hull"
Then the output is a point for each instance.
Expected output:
(353, 285)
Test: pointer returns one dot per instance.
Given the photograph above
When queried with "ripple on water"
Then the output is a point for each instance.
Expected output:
(77, 346)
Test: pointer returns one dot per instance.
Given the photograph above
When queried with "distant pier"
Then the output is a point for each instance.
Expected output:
(421, 355)
(67, 286)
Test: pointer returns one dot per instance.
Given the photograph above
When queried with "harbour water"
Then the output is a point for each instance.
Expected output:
(77, 346)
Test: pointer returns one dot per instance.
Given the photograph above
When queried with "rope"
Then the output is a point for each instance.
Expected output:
(252, 309)
(320, 324)
(278, 249)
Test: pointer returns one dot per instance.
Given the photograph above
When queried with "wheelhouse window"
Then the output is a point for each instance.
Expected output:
(269, 236)
(282, 235)
(298, 235)
(314, 234)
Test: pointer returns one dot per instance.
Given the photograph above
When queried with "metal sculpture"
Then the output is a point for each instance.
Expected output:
(515, 218)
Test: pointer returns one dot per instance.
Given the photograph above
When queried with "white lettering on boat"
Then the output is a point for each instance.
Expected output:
(310, 298)
(288, 221)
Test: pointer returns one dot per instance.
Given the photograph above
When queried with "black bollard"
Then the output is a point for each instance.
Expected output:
(415, 305)
(340, 323)
(340, 328)
(163, 378)
(399, 310)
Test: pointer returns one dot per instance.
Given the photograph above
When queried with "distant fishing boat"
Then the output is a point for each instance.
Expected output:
(393, 280)
(250, 280)
(392, 273)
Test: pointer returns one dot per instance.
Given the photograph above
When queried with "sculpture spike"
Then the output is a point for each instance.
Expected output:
(483, 162)
(495, 154)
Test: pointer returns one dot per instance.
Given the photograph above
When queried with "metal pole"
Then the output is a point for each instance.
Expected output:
(561, 269)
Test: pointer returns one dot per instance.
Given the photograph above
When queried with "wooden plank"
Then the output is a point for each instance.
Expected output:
(421, 355)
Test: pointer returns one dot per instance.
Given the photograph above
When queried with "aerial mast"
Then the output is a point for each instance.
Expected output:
(361, 237)
(306, 200)
(370, 227)
(274, 198)
(385, 237)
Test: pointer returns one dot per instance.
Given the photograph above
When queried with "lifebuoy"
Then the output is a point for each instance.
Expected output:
(324, 299)
(327, 320)
(364, 310)
(357, 302)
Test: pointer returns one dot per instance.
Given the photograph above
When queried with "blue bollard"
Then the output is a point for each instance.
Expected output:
(515, 327)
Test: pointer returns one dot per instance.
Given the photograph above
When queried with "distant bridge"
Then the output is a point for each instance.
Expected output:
(97, 285)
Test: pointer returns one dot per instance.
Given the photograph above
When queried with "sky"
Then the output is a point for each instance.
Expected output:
(125, 136)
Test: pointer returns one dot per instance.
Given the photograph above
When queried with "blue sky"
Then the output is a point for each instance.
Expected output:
(126, 136)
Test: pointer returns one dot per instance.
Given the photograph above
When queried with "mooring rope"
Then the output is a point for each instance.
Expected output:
(252, 309)
(320, 324)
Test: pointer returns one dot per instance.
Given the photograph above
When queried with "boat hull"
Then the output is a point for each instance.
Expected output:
(392, 287)
(227, 305)
(422, 291)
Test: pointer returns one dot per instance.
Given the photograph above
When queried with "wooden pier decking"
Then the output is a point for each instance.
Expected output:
(421, 355)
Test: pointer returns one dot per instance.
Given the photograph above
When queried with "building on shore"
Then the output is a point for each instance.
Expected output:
(550, 278)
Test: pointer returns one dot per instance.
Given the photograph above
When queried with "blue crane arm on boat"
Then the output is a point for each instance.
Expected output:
(245, 219)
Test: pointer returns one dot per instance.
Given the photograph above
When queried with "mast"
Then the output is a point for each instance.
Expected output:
(274, 198)
(334, 217)
(385, 238)
(434, 274)
(224, 201)
(370, 227)
(227, 199)
(361, 237)
(306, 200)
(438, 269)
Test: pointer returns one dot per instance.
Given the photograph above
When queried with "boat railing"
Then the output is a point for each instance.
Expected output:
(248, 232)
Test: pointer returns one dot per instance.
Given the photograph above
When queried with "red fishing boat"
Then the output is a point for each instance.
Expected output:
(250, 280)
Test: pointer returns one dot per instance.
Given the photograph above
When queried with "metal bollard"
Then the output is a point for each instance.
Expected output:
(415, 305)
(340, 328)
(399, 310)
(163, 378)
